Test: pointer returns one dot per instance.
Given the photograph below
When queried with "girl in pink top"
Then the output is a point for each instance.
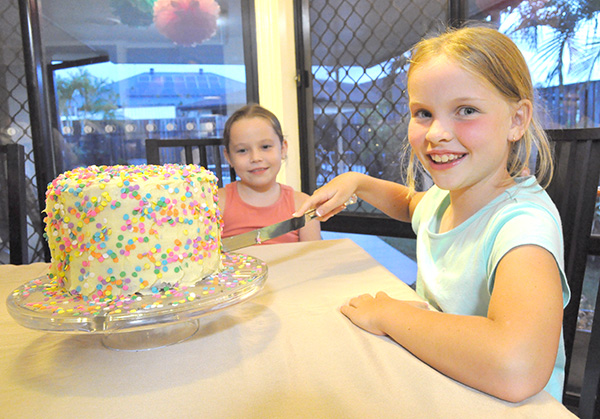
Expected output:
(255, 148)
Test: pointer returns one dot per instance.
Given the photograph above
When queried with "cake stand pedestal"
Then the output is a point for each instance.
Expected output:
(141, 321)
(144, 339)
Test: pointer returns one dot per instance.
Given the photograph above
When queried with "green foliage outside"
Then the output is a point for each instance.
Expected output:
(83, 96)
(575, 39)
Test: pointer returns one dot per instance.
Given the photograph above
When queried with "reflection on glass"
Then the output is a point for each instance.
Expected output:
(128, 70)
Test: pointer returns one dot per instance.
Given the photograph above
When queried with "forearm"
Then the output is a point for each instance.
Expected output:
(390, 197)
(476, 351)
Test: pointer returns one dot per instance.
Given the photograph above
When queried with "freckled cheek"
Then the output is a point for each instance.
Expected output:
(418, 144)
(416, 135)
(472, 132)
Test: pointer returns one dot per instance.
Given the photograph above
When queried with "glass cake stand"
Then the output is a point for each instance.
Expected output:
(141, 321)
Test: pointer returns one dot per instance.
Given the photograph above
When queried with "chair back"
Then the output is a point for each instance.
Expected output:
(589, 405)
(209, 152)
(14, 157)
(573, 189)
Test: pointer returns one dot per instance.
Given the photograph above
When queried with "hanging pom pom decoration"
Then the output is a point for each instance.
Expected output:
(186, 22)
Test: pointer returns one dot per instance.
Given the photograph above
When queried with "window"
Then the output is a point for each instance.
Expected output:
(359, 115)
(124, 71)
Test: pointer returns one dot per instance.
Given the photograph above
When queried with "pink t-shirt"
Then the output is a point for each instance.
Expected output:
(240, 217)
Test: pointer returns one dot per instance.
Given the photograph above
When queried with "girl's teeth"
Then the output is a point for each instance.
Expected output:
(444, 158)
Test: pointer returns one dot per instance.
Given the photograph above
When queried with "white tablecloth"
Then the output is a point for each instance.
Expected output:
(287, 352)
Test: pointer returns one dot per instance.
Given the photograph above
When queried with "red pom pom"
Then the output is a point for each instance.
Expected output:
(186, 22)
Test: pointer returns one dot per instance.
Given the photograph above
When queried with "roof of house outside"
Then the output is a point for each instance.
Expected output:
(189, 90)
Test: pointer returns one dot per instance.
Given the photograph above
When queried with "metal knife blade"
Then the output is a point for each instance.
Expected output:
(272, 231)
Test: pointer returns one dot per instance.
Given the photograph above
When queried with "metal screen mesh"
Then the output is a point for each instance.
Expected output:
(15, 127)
(359, 62)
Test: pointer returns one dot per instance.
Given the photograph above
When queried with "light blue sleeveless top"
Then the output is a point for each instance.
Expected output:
(456, 269)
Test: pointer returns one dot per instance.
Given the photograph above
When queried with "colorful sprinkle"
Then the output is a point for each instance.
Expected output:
(240, 274)
(99, 221)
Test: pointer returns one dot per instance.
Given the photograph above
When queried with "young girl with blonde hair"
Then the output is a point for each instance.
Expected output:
(489, 240)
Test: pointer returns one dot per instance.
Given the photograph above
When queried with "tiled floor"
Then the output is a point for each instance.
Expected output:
(396, 262)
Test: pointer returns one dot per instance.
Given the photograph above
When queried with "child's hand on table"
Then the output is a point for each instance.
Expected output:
(366, 311)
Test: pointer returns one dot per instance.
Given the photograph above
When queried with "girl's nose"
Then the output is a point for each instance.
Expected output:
(438, 132)
(255, 155)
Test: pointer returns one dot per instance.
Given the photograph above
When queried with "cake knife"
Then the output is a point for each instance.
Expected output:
(270, 232)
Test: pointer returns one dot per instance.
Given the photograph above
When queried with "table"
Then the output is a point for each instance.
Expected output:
(286, 353)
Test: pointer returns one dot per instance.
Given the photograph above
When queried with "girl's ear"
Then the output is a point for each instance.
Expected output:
(226, 154)
(521, 119)
(284, 149)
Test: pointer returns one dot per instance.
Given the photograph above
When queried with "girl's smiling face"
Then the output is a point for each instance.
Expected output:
(461, 127)
(255, 152)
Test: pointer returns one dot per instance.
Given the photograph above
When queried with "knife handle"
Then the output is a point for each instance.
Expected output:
(312, 214)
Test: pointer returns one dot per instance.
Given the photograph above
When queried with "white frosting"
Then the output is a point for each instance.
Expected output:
(117, 230)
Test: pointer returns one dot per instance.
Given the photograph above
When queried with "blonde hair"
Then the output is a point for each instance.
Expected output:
(494, 57)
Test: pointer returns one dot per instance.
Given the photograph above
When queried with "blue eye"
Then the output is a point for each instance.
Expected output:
(467, 110)
(422, 114)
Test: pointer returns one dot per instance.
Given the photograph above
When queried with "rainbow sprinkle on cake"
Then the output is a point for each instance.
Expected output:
(118, 230)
